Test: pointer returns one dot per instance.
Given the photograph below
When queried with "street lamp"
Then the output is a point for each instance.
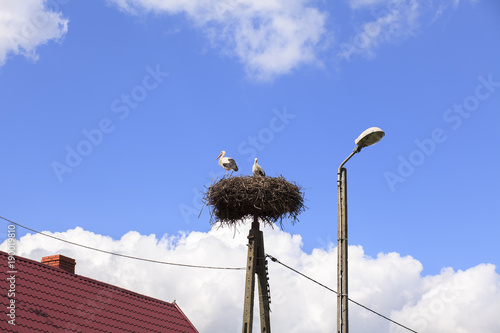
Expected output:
(369, 137)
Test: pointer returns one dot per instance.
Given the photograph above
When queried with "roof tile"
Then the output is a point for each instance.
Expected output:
(49, 299)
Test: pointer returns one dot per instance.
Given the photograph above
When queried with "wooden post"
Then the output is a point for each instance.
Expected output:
(264, 292)
(256, 264)
(250, 280)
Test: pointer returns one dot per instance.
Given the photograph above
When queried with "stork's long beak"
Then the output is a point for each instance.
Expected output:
(219, 156)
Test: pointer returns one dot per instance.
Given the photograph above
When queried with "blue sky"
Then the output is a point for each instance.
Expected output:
(113, 112)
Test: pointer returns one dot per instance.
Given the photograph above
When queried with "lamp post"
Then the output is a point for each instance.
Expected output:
(367, 138)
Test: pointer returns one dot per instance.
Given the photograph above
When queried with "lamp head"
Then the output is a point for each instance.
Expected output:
(369, 137)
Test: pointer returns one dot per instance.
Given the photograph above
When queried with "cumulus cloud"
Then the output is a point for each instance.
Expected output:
(462, 301)
(452, 301)
(270, 38)
(27, 24)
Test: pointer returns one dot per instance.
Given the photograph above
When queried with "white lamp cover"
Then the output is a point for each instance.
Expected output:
(369, 137)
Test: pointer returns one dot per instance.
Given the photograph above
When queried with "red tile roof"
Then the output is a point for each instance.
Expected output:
(49, 299)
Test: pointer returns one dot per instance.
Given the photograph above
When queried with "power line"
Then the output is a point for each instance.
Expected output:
(330, 289)
(200, 266)
(123, 255)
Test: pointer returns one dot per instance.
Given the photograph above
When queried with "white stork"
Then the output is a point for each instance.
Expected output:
(257, 169)
(227, 163)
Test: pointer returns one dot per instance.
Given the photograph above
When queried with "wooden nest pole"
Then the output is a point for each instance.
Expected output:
(256, 265)
(268, 199)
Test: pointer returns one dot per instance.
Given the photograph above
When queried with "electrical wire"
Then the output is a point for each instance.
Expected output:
(200, 266)
(330, 289)
(123, 255)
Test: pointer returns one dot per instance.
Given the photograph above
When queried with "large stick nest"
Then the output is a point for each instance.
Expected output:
(272, 199)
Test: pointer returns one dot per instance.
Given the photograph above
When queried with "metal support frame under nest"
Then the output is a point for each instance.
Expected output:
(256, 264)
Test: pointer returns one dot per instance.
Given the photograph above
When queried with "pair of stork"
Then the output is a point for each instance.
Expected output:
(229, 164)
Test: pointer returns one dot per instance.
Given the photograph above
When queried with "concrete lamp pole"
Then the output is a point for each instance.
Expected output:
(367, 138)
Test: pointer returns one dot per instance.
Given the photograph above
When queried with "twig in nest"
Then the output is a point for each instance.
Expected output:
(272, 199)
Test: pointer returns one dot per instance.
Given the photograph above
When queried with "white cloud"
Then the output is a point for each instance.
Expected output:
(462, 301)
(379, 22)
(391, 20)
(270, 38)
(26, 24)
(445, 5)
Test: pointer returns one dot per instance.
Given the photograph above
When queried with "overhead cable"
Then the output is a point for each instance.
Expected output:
(122, 255)
(330, 289)
(201, 266)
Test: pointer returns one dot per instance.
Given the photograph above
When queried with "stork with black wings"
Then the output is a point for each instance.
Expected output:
(257, 169)
(227, 163)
